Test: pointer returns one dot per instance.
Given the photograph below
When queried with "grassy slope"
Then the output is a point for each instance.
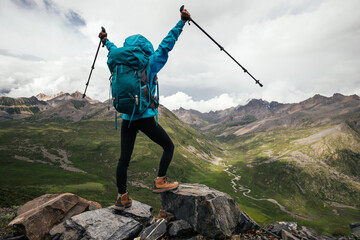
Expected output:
(305, 190)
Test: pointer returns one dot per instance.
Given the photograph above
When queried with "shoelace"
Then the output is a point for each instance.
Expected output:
(168, 180)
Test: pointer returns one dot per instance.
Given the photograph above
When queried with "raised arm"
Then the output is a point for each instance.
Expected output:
(161, 55)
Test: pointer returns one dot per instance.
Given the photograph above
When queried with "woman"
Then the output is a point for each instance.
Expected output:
(145, 122)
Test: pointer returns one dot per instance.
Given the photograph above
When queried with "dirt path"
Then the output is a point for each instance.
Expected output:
(61, 158)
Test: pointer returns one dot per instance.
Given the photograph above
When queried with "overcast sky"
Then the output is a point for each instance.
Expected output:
(296, 48)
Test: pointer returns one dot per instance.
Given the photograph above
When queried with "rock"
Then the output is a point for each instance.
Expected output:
(35, 203)
(180, 228)
(94, 205)
(287, 226)
(355, 229)
(211, 213)
(98, 224)
(57, 231)
(354, 225)
(166, 215)
(246, 223)
(138, 211)
(198, 237)
(307, 233)
(235, 237)
(41, 214)
(154, 231)
(285, 235)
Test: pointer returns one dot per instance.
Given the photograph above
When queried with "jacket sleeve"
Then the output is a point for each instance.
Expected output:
(110, 46)
(161, 55)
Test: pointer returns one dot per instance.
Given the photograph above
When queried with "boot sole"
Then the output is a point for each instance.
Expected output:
(160, 190)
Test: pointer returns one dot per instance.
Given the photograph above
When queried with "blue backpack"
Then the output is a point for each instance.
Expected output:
(130, 86)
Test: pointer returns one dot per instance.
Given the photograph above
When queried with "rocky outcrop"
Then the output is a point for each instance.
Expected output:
(193, 211)
(154, 231)
(38, 216)
(99, 224)
(180, 228)
(105, 223)
(355, 229)
(210, 212)
(246, 223)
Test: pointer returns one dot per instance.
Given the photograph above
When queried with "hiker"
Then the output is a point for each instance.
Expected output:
(145, 122)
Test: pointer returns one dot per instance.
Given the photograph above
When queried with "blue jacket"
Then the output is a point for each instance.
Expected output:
(157, 59)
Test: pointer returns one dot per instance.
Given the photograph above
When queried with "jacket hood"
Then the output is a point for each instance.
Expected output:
(139, 40)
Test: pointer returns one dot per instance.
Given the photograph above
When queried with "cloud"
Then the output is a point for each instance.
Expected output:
(75, 18)
(29, 4)
(26, 57)
(182, 100)
(4, 91)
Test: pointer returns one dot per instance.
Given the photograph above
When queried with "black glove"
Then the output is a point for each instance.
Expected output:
(103, 37)
(185, 15)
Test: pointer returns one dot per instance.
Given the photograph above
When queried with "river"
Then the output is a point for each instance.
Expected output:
(235, 183)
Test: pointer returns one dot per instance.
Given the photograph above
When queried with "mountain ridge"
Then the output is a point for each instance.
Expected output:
(258, 114)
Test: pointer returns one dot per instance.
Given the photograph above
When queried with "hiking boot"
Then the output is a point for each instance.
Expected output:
(163, 184)
(123, 201)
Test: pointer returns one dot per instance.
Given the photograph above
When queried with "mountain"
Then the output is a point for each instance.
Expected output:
(258, 115)
(17, 108)
(65, 106)
(280, 162)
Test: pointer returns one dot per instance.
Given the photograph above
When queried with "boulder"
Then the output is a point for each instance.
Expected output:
(38, 216)
(307, 233)
(287, 226)
(355, 229)
(285, 235)
(35, 203)
(246, 223)
(103, 223)
(180, 228)
(154, 231)
(138, 211)
(211, 213)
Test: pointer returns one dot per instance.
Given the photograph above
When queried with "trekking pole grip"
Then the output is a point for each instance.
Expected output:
(185, 18)
(103, 30)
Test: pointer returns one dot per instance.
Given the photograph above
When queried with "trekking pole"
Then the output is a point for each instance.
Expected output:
(93, 65)
(222, 49)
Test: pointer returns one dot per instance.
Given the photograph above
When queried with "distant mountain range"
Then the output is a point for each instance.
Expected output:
(258, 115)
(66, 106)
(255, 115)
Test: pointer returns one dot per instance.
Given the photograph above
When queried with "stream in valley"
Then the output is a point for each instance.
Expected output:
(246, 191)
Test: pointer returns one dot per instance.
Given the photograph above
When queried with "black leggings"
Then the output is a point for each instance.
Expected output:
(128, 135)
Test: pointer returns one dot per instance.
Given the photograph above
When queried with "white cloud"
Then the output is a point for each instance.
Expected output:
(183, 100)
